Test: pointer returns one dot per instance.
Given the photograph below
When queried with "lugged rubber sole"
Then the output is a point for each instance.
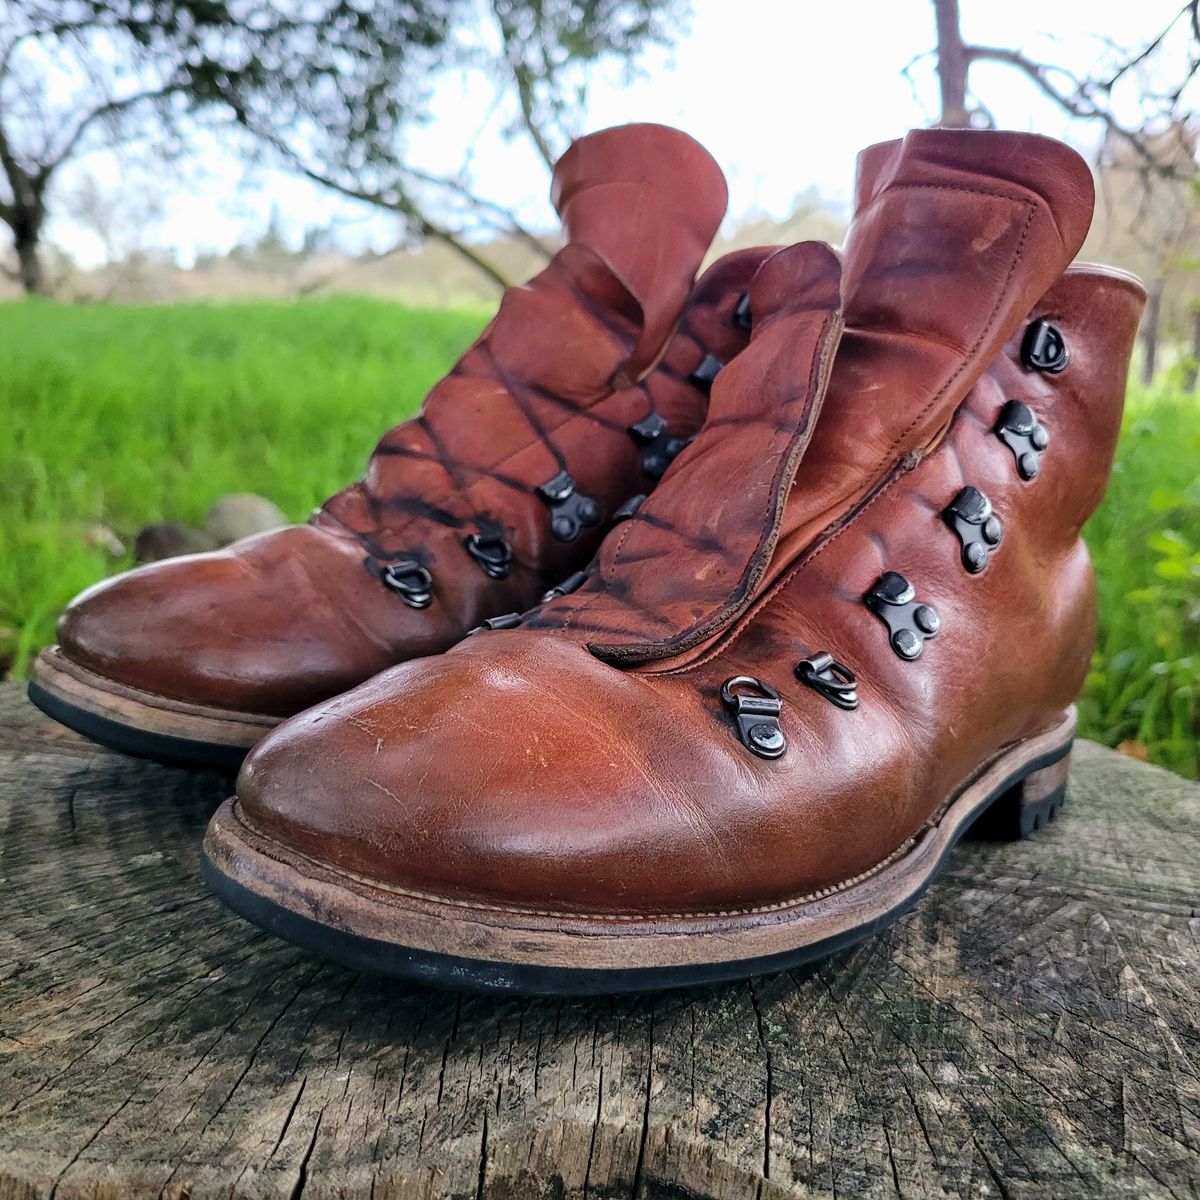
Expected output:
(460, 944)
(134, 722)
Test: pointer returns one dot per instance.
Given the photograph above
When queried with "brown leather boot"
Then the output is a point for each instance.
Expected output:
(754, 735)
(573, 400)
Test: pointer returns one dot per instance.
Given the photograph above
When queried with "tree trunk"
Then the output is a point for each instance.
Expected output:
(953, 63)
(26, 231)
(1029, 1030)
(1150, 323)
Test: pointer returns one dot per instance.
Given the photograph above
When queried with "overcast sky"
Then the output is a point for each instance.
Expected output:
(783, 92)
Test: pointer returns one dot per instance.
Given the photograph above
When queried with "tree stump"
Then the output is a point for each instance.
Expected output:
(1032, 1028)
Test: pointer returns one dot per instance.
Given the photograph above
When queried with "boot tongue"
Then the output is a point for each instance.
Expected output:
(640, 205)
(698, 547)
(958, 235)
(647, 201)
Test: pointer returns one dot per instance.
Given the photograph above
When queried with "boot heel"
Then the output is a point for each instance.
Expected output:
(1026, 806)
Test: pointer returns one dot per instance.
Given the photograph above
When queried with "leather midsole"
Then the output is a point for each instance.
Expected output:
(146, 711)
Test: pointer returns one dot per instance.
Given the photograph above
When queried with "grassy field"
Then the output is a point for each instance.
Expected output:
(123, 416)
(131, 415)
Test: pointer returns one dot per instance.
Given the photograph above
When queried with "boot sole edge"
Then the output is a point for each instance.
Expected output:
(140, 723)
(460, 945)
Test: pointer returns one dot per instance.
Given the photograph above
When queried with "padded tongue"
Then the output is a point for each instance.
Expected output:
(958, 235)
(699, 544)
(647, 200)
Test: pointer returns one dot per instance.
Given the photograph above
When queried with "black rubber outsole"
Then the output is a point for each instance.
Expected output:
(113, 735)
(482, 975)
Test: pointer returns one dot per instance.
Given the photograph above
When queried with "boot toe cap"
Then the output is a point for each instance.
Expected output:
(511, 770)
(240, 629)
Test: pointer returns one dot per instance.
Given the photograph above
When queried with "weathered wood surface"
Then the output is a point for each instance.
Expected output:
(1031, 1029)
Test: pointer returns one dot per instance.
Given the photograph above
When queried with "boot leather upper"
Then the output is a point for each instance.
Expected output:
(585, 763)
(587, 348)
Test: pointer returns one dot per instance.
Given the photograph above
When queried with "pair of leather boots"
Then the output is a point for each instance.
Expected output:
(773, 582)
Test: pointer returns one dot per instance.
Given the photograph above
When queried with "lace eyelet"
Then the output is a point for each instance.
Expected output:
(893, 600)
(829, 678)
(757, 716)
(570, 511)
(659, 446)
(1044, 348)
(1020, 430)
(979, 530)
(491, 552)
(409, 580)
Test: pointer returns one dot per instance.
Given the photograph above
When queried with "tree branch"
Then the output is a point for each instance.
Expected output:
(506, 219)
(18, 180)
(403, 203)
(108, 109)
(1151, 47)
(522, 78)
(1078, 104)
(953, 63)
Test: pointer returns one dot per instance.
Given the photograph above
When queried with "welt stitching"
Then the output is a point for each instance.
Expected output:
(607, 918)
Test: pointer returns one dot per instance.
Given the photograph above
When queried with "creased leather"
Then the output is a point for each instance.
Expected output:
(520, 770)
(570, 361)
(499, 424)
(762, 412)
(990, 219)
(648, 213)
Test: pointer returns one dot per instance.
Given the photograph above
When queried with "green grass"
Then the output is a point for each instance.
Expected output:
(123, 416)
(1144, 687)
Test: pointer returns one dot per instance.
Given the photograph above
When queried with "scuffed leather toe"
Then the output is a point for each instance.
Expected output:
(511, 770)
(267, 626)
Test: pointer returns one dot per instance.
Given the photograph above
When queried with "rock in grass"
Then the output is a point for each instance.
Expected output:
(100, 537)
(240, 515)
(169, 539)
(8, 649)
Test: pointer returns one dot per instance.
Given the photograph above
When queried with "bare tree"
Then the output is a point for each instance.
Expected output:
(1088, 97)
(327, 87)
(1147, 169)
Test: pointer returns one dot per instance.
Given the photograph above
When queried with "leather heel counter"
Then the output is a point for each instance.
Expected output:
(1075, 620)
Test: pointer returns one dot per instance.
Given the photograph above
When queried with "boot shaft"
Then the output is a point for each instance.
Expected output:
(522, 453)
(957, 236)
